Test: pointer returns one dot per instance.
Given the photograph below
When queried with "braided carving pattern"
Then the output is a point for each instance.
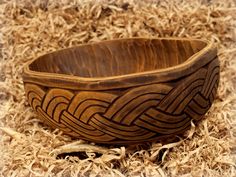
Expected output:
(137, 114)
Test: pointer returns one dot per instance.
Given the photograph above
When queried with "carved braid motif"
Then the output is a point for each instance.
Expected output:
(138, 114)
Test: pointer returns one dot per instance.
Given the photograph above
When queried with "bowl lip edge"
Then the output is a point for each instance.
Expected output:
(29, 75)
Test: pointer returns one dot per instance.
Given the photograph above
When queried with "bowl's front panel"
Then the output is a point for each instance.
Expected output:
(126, 116)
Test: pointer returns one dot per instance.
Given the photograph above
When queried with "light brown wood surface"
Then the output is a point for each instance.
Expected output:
(124, 90)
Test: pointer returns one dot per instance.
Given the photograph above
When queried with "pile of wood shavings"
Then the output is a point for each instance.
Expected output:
(31, 28)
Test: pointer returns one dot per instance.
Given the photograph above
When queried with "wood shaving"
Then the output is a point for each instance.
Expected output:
(32, 28)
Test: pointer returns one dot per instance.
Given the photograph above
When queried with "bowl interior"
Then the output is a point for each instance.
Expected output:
(118, 57)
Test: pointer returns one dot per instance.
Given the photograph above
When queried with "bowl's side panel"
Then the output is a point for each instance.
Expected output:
(132, 115)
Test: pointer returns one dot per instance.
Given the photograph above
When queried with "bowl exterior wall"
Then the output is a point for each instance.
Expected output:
(134, 114)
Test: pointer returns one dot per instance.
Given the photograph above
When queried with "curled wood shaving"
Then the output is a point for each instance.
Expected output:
(12, 133)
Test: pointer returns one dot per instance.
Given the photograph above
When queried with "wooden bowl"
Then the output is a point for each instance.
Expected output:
(124, 90)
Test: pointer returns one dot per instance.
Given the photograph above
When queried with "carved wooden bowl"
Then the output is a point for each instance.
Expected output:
(125, 90)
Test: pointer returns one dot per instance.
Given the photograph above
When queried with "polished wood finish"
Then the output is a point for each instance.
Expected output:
(124, 90)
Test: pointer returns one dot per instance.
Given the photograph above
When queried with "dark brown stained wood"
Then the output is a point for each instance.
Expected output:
(124, 90)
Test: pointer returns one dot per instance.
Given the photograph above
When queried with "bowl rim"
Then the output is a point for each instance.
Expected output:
(193, 63)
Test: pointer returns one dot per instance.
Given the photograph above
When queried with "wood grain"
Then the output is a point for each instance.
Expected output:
(161, 85)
